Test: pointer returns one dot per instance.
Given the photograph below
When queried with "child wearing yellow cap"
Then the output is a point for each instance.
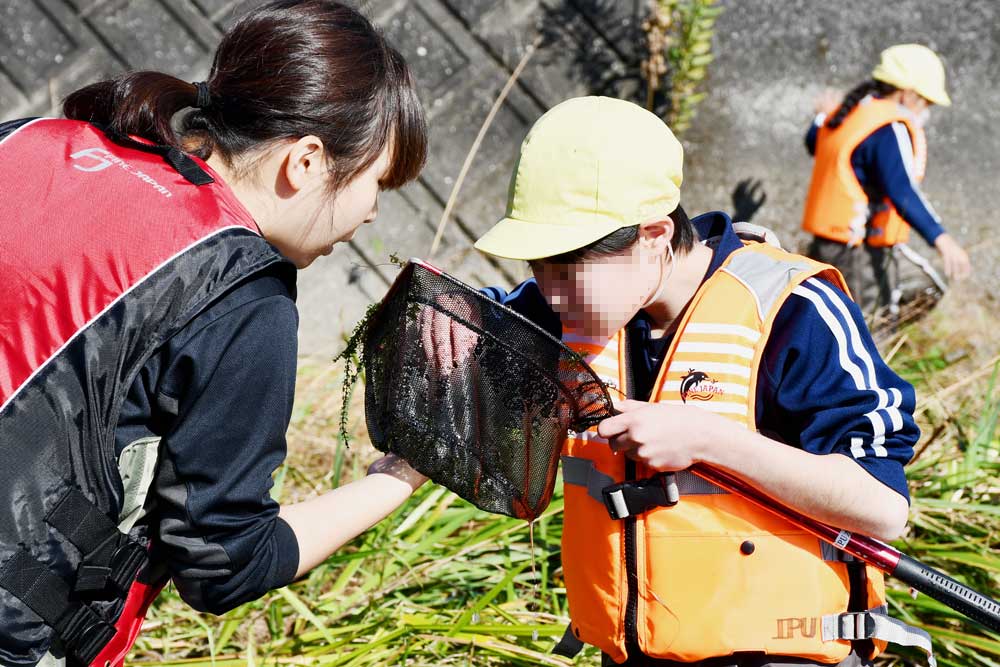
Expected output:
(871, 154)
(723, 349)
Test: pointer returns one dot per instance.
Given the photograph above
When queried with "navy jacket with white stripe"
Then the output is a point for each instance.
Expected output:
(822, 387)
(880, 164)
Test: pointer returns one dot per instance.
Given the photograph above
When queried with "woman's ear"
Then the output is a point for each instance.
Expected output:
(305, 163)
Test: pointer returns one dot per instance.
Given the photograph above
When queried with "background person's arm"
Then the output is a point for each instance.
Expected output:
(891, 155)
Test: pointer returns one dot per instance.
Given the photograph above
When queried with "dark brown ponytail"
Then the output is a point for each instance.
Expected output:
(137, 103)
(854, 97)
(287, 69)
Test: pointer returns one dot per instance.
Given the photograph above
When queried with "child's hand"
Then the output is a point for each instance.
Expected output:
(664, 437)
(446, 342)
(956, 261)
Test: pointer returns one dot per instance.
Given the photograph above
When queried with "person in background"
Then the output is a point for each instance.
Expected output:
(870, 156)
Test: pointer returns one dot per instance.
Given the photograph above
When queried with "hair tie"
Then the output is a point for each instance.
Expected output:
(204, 98)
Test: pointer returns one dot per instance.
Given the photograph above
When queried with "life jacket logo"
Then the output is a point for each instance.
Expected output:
(788, 628)
(697, 386)
(99, 159)
(96, 154)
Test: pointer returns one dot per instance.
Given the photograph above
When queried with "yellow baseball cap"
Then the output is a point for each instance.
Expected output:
(588, 167)
(913, 67)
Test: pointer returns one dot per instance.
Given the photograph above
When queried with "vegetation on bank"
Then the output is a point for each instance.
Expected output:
(441, 583)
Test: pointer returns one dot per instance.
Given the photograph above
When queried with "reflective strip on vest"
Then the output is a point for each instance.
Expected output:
(765, 277)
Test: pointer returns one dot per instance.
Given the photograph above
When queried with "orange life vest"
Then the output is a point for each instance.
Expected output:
(837, 207)
(714, 574)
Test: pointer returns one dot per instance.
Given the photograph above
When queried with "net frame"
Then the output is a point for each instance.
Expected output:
(474, 466)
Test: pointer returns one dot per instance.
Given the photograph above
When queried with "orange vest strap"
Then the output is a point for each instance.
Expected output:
(622, 500)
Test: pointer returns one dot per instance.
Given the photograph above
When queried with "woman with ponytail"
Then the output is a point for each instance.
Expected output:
(871, 152)
(148, 325)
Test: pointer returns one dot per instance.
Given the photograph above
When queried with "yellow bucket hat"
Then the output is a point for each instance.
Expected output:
(913, 67)
(588, 167)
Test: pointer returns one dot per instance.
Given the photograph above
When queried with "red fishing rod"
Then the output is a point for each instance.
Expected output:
(925, 579)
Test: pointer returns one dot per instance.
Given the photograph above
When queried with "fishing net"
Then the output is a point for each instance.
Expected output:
(473, 395)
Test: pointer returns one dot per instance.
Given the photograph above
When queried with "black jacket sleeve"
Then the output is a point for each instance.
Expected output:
(220, 396)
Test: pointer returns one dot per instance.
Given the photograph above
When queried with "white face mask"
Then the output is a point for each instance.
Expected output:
(923, 117)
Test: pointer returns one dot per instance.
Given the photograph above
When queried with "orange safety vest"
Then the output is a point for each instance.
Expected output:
(714, 574)
(837, 207)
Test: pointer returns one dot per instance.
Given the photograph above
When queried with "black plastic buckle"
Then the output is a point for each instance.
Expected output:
(91, 578)
(111, 575)
(631, 498)
(85, 633)
(125, 565)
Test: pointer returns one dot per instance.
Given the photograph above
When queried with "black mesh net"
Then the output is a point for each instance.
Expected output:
(472, 394)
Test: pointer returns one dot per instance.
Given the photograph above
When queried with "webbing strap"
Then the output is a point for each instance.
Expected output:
(83, 524)
(877, 624)
(581, 472)
(176, 158)
(83, 632)
(570, 645)
(689, 484)
(109, 556)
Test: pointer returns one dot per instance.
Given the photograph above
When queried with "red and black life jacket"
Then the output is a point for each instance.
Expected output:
(107, 249)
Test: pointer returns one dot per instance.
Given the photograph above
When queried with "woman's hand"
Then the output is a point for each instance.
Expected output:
(956, 261)
(663, 437)
(394, 466)
(325, 523)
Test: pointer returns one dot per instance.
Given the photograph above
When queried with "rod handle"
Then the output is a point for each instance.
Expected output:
(943, 588)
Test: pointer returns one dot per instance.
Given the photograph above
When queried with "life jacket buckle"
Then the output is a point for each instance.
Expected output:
(91, 578)
(856, 626)
(641, 495)
(111, 574)
(125, 564)
(84, 633)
